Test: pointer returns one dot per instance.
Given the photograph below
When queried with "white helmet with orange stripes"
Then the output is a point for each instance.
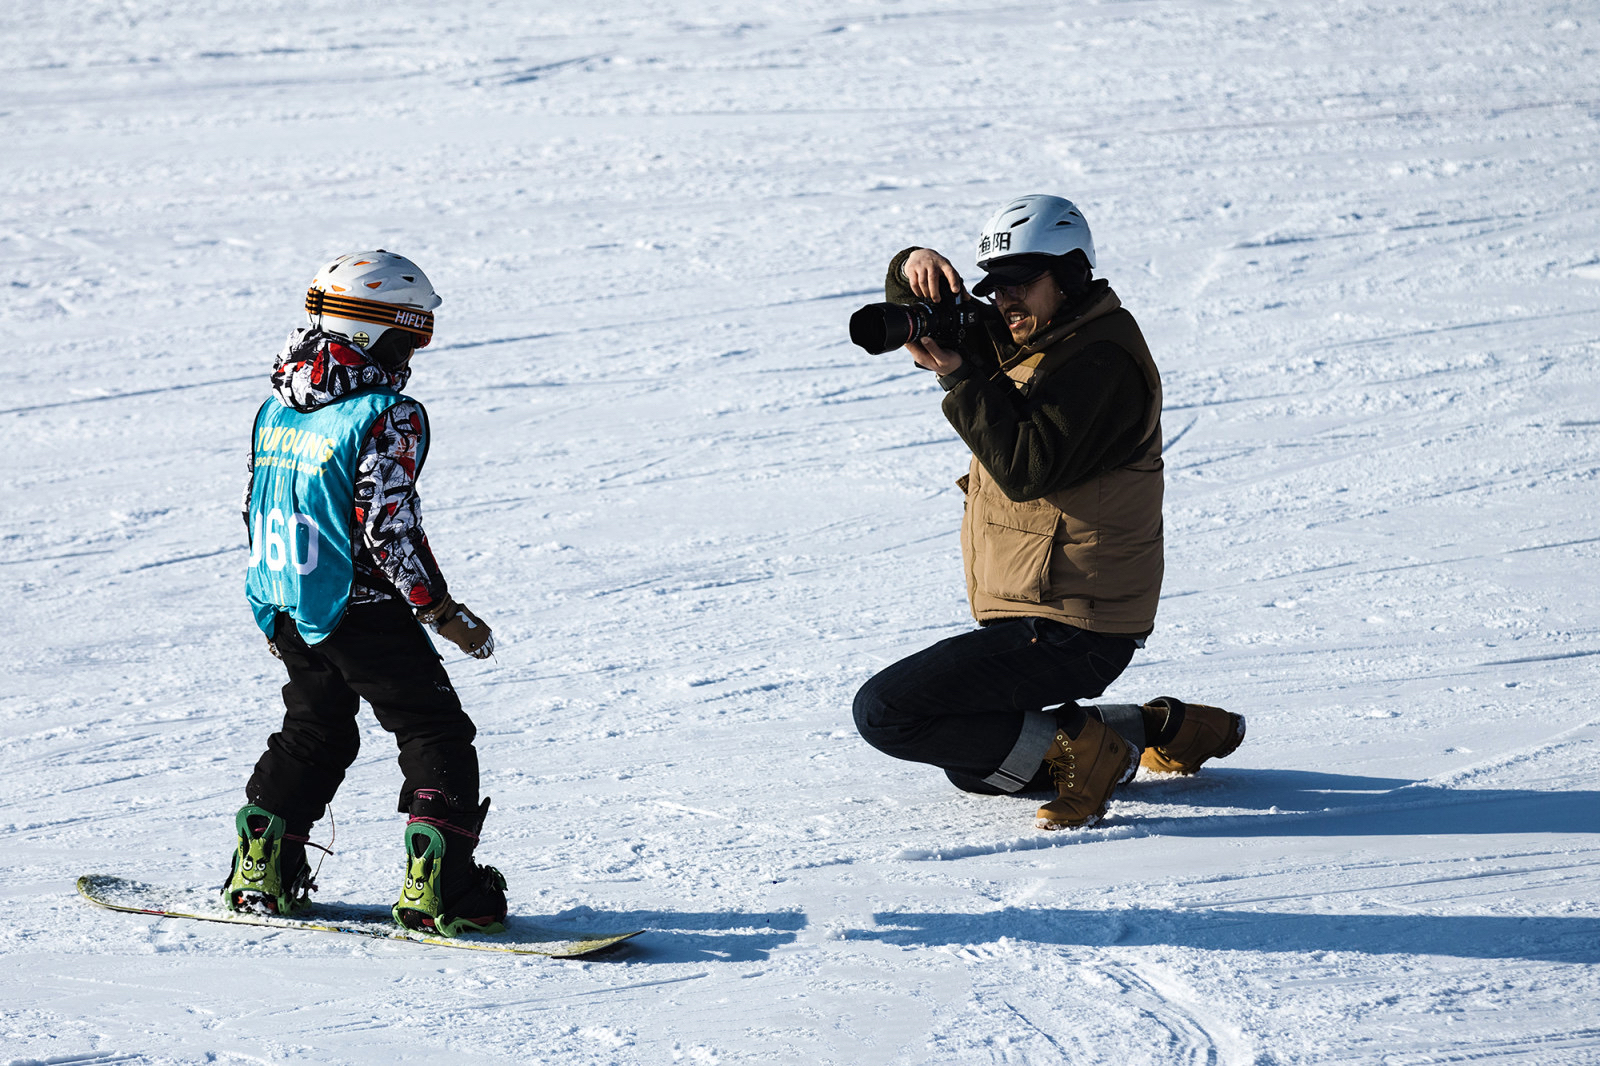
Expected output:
(363, 295)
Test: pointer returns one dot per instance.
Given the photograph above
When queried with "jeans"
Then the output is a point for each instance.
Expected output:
(969, 704)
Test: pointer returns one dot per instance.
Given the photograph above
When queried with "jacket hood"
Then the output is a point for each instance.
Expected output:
(315, 369)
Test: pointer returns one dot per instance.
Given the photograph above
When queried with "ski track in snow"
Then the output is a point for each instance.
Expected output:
(1361, 241)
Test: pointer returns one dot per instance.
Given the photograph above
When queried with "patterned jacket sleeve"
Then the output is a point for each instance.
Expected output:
(249, 487)
(387, 508)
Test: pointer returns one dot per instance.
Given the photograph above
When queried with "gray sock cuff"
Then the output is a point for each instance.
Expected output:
(1126, 720)
(1038, 733)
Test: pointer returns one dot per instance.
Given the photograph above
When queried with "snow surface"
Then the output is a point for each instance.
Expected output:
(1361, 238)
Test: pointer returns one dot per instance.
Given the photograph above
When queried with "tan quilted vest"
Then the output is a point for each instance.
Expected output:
(1090, 555)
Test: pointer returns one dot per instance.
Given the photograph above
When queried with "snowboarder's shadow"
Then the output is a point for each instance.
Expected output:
(688, 936)
(1329, 804)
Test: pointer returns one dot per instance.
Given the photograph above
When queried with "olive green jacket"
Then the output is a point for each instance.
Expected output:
(1064, 494)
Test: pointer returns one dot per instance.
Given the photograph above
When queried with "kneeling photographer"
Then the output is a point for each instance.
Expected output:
(1053, 389)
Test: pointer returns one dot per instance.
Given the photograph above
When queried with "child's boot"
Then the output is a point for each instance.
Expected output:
(270, 872)
(445, 891)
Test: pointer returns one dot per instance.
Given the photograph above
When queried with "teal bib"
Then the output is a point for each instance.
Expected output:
(302, 508)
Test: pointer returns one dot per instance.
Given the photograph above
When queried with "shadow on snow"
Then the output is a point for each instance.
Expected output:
(689, 936)
(1346, 805)
(1572, 940)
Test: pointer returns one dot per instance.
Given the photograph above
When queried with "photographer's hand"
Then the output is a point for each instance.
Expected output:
(931, 356)
(931, 275)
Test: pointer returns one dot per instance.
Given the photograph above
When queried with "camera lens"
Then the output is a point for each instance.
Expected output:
(880, 328)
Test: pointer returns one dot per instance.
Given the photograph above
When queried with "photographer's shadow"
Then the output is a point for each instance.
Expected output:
(1545, 939)
(1328, 804)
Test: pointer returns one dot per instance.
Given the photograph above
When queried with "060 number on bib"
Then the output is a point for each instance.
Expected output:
(278, 541)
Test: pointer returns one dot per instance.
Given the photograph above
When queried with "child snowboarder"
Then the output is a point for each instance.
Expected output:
(340, 576)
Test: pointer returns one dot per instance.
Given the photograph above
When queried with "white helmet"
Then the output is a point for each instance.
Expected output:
(1038, 227)
(363, 295)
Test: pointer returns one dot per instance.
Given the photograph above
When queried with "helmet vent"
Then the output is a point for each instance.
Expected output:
(1066, 222)
(409, 277)
(1020, 221)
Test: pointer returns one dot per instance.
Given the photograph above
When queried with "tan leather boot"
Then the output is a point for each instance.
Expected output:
(1086, 771)
(1206, 733)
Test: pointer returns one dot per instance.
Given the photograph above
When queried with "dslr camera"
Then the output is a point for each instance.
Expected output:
(880, 328)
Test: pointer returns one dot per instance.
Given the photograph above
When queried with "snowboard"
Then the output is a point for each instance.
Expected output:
(521, 937)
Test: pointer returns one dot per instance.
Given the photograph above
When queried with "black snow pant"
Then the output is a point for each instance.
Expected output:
(972, 704)
(378, 653)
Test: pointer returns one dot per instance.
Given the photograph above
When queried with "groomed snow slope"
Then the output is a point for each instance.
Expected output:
(1361, 239)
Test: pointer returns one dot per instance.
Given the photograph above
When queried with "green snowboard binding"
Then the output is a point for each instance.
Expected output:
(258, 881)
(472, 899)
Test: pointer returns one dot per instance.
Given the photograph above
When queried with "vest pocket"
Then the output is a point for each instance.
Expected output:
(1014, 557)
